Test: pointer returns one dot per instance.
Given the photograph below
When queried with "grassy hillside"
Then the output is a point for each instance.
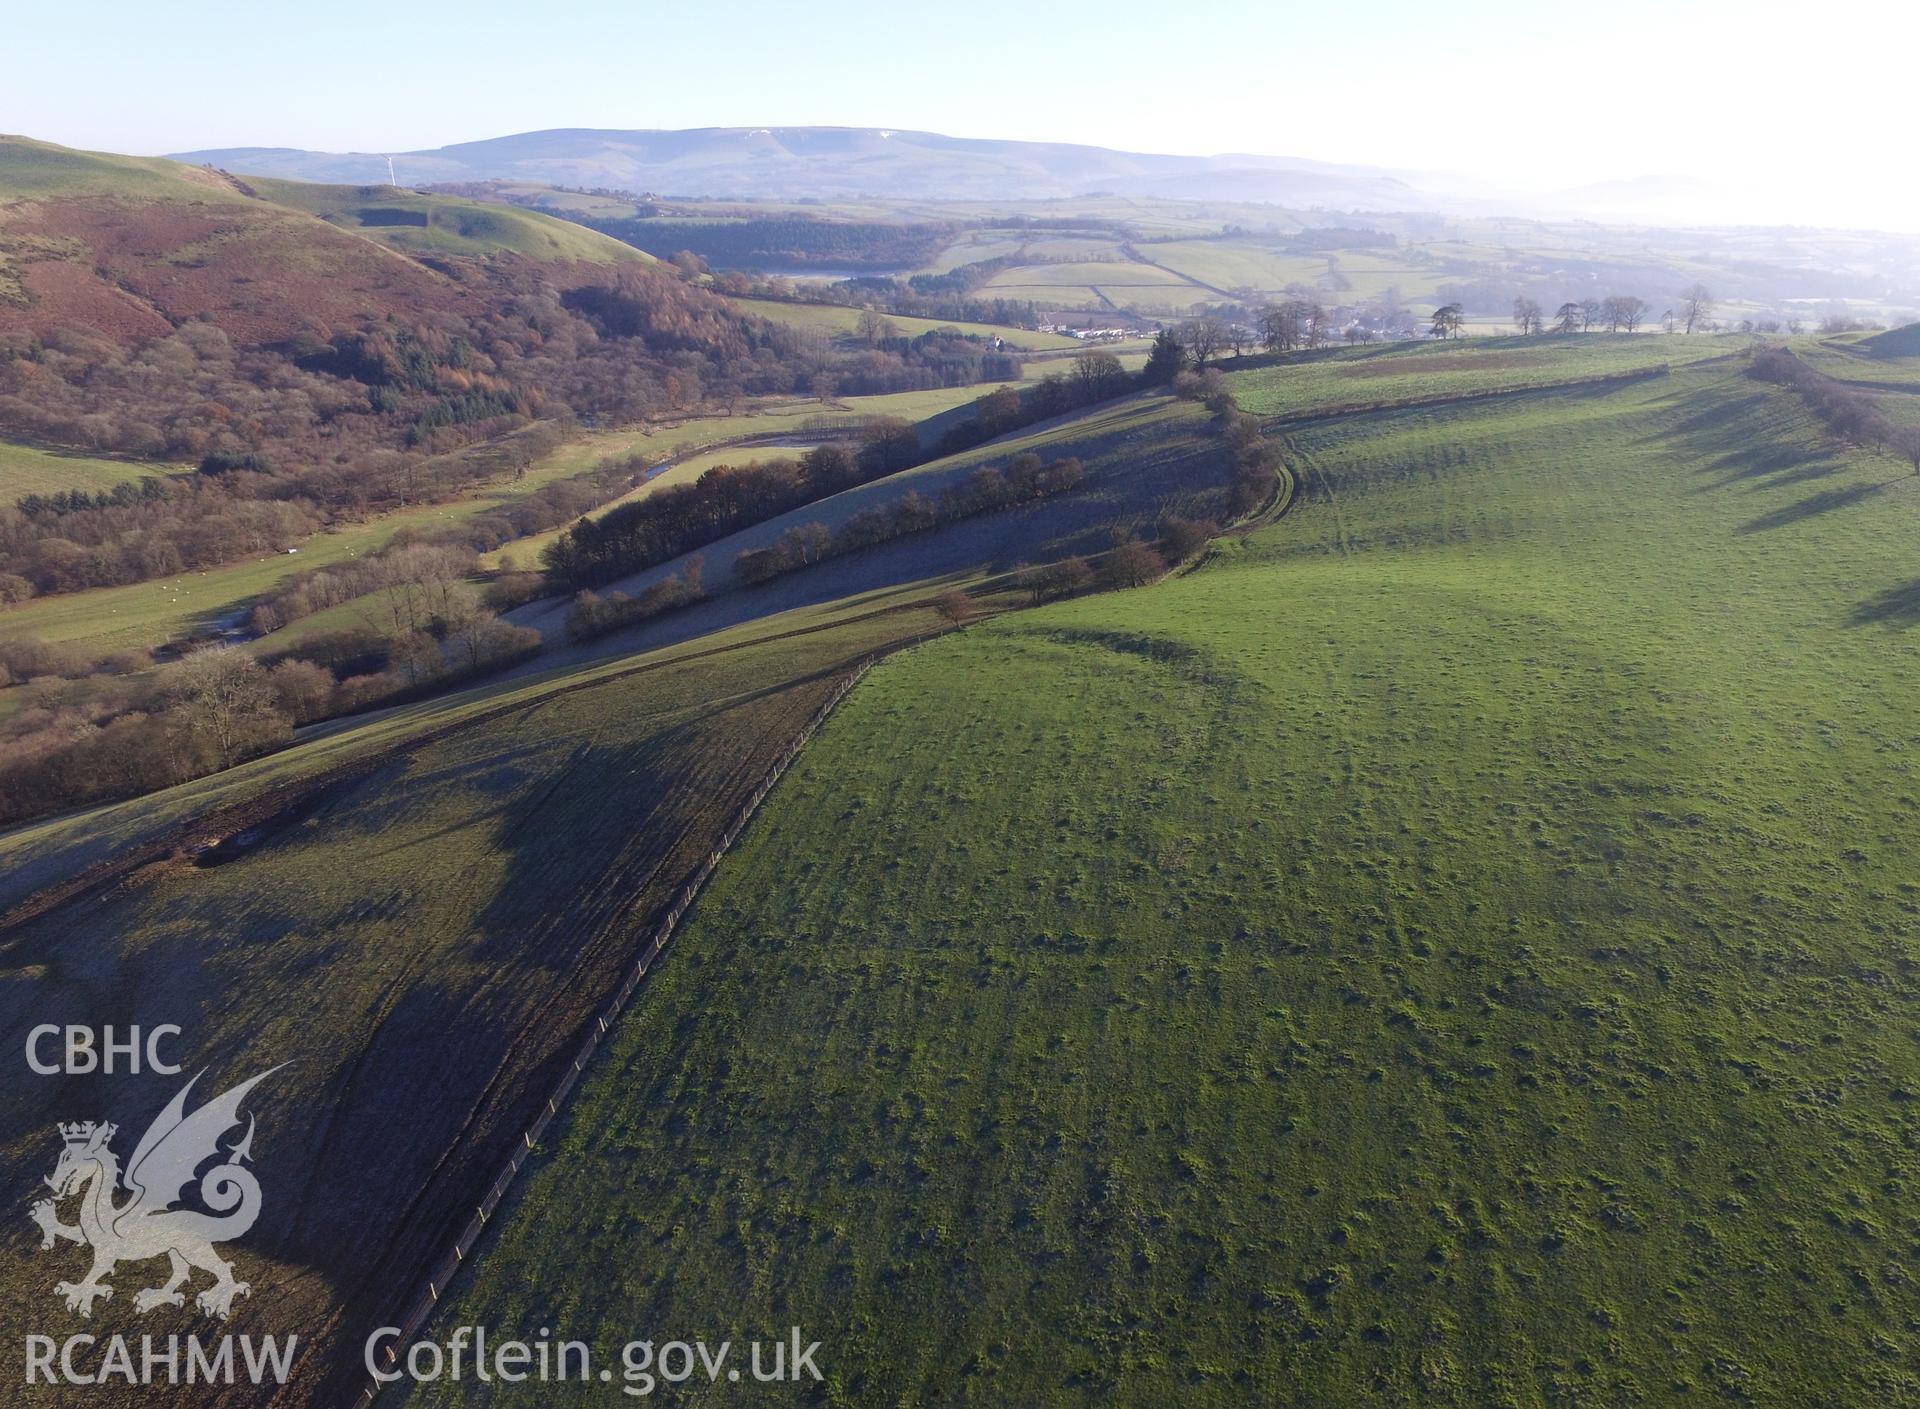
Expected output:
(417, 223)
(1344, 379)
(1455, 947)
(39, 171)
(434, 900)
(130, 247)
(1894, 343)
(1146, 458)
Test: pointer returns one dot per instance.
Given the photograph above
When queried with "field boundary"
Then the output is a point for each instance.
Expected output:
(440, 1280)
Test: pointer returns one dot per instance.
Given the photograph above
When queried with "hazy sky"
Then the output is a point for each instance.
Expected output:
(1793, 111)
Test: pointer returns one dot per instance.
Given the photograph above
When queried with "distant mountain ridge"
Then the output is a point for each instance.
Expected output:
(797, 163)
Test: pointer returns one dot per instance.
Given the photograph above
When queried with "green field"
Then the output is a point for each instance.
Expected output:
(1313, 383)
(1456, 947)
(27, 469)
(1232, 264)
(1095, 283)
(44, 170)
(835, 319)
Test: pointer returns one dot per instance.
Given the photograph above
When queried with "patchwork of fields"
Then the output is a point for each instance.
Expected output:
(837, 319)
(1455, 946)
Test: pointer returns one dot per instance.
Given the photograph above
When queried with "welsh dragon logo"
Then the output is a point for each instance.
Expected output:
(147, 1225)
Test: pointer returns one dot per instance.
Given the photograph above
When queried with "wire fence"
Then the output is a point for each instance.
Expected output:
(439, 1279)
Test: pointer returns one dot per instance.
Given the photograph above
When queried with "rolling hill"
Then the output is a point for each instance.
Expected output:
(130, 248)
(1453, 947)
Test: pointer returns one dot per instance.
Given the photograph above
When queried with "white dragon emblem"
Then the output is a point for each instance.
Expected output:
(147, 1225)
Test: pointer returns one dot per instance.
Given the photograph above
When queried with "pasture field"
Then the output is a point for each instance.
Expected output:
(1316, 382)
(1457, 946)
(975, 246)
(28, 469)
(1359, 275)
(1092, 283)
(1885, 363)
(834, 319)
(1233, 264)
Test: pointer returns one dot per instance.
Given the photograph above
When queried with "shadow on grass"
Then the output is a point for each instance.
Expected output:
(1896, 606)
(1825, 502)
(1790, 463)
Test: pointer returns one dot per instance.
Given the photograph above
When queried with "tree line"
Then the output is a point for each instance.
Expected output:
(1848, 413)
(1616, 313)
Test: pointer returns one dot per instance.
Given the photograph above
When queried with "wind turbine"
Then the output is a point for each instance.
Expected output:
(392, 180)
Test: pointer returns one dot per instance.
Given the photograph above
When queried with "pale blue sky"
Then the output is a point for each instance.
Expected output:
(1806, 107)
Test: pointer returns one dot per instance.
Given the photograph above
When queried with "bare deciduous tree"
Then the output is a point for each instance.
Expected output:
(1098, 375)
(1204, 338)
(1905, 442)
(227, 699)
(1527, 315)
(1131, 564)
(955, 607)
(1625, 313)
(1696, 306)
